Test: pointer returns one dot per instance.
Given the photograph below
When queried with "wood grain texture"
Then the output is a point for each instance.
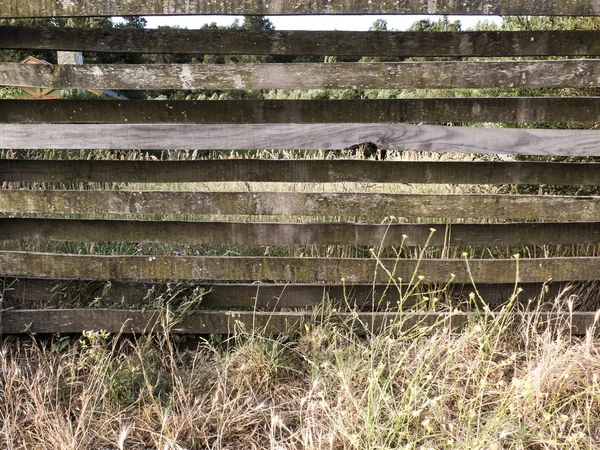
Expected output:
(28, 293)
(33, 293)
(422, 110)
(367, 205)
(574, 73)
(243, 233)
(303, 136)
(302, 171)
(298, 270)
(322, 43)
(62, 8)
(230, 322)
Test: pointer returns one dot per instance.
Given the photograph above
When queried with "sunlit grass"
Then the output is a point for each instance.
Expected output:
(497, 384)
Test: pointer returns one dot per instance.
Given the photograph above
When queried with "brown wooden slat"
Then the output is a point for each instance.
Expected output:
(323, 43)
(29, 292)
(33, 292)
(44, 8)
(299, 270)
(196, 322)
(302, 171)
(417, 110)
(242, 233)
(223, 322)
(303, 136)
(368, 205)
(575, 73)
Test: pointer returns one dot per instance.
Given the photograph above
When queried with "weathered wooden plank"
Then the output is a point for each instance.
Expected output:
(29, 292)
(346, 43)
(416, 110)
(303, 136)
(230, 322)
(201, 322)
(368, 205)
(575, 73)
(302, 171)
(34, 293)
(45, 8)
(299, 270)
(263, 233)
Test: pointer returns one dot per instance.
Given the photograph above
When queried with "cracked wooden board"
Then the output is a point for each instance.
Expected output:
(302, 136)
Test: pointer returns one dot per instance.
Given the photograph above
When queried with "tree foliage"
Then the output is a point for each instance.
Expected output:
(442, 24)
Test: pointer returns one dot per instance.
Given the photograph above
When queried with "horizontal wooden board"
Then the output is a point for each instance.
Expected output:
(242, 233)
(303, 136)
(226, 322)
(323, 43)
(33, 293)
(298, 270)
(574, 73)
(44, 8)
(368, 205)
(302, 171)
(416, 110)
(30, 293)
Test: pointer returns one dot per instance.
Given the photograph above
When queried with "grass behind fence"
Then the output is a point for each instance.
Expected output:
(352, 251)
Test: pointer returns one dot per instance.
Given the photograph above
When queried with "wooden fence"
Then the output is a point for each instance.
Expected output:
(275, 291)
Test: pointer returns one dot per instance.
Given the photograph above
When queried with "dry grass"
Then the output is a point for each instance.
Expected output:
(494, 386)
